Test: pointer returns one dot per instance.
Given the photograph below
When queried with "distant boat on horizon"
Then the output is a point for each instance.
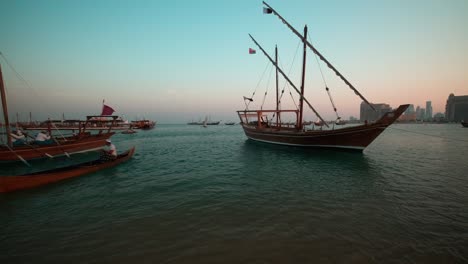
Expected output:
(143, 124)
(207, 122)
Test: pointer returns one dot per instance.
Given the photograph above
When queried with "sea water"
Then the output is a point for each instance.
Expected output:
(208, 195)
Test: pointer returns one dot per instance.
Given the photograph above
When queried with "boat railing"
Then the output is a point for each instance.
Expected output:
(267, 118)
(99, 119)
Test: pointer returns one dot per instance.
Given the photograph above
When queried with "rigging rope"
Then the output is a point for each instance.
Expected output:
(266, 90)
(36, 96)
(14, 70)
(325, 83)
(286, 83)
(258, 84)
(320, 55)
(287, 79)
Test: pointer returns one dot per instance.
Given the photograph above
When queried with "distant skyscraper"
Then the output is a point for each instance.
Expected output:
(456, 108)
(420, 113)
(369, 115)
(428, 115)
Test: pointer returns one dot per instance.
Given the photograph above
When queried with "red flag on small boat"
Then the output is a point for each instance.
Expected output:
(252, 51)
(107, 110)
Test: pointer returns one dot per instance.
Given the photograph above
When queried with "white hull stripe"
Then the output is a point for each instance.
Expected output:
(305, 135)
(302, 145)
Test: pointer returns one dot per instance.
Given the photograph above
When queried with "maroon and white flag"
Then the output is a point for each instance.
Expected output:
(107, 110)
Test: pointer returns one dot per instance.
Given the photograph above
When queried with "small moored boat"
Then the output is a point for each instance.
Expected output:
(14, 183)
(83, 141)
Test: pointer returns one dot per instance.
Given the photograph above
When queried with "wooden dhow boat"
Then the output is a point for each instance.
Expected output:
(82, 141)
(259, 125)
(143, 124)
(15, 183)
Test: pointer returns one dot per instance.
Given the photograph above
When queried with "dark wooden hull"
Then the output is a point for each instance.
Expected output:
(14, 183)
(147, 127)
(71, 145)
(464, 124)
(143, 124)
(354, 138)
(129, 131)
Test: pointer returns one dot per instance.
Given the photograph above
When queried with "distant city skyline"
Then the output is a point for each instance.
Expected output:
(177, 61)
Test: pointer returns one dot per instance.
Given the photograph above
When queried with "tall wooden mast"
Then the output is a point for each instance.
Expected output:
(288, 80)
(301, 103)
(277, 91)
(5, 108)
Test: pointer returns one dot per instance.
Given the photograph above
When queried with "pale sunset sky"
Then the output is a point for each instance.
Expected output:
(174, 61)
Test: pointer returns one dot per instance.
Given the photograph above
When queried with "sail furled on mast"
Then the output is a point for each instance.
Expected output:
(272, 11)
(288, 80)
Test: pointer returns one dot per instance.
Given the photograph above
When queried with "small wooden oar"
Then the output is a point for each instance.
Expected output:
(35, 148)
(17, 155)
(47, 154)
(56, 141)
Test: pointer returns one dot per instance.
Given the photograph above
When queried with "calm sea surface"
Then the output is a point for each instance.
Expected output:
(209, 195)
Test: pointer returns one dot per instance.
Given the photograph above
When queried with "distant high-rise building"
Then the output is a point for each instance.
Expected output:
(428, 115)
(420, 113)
(368, 114)
(456, 108)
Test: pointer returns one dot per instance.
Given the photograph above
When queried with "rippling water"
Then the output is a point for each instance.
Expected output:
(196, 195)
